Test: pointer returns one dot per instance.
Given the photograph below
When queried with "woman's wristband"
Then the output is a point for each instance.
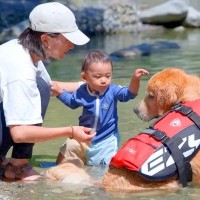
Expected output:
(72, 137)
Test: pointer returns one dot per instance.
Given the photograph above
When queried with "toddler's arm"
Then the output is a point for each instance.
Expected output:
(135, 80)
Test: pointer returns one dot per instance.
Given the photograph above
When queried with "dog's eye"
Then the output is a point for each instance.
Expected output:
(151, 95)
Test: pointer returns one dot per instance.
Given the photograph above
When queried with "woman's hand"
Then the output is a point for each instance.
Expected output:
(82, 134)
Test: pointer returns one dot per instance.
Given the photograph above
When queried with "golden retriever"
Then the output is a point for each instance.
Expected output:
(164, 89)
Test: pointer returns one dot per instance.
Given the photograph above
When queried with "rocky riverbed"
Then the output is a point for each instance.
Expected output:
(13, 190)
(93, 17)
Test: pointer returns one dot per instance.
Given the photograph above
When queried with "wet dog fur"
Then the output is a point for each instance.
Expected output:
(69, 172)
(164, 89)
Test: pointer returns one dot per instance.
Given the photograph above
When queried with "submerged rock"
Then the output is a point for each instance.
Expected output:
(143, 49)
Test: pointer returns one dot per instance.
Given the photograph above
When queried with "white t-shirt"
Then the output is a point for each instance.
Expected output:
(18, 87)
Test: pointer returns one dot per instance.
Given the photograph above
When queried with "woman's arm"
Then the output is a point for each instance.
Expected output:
(32, 134)
(69, 86)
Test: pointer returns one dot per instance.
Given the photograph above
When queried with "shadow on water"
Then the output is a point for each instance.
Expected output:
(187, 57)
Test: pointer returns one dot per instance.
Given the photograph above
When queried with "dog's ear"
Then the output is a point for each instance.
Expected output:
(167, 86)
(167, 96)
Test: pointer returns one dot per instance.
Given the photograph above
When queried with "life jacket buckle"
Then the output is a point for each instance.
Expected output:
(159, 135)
(185, 110)
(182, 109)
(176, 106)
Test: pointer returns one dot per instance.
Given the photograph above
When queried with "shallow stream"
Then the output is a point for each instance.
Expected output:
(187, 57)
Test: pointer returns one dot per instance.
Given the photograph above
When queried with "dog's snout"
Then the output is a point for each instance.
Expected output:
(141, 113)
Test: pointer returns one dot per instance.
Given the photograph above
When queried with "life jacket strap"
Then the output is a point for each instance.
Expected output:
(183, 166)
(187, 111)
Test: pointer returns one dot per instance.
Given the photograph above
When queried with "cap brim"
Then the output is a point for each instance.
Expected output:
(77, 37)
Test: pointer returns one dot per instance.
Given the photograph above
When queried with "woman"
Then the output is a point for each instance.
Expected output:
(25, 86)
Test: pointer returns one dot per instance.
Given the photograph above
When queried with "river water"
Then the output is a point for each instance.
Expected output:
(187, 57)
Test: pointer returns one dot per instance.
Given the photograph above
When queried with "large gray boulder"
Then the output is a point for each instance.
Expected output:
(193, 18)
(169, 14)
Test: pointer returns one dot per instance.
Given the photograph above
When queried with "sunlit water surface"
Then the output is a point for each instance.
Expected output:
(187, 57)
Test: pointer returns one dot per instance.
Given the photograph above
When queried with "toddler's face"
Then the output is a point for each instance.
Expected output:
(99, 76)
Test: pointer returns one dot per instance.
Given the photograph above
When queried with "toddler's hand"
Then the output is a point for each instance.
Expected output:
(55, 89)
(140, 72)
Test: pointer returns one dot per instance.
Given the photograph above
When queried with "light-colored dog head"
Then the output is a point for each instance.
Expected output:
(70, 172)
(164, 89)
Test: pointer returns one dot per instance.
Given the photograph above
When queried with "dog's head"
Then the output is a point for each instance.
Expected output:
(164, 89)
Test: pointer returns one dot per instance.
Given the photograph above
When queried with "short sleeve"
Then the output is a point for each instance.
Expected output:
(122, 93)
(22, 103)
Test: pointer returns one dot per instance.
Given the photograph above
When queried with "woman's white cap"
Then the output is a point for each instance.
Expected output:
(54, 17)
